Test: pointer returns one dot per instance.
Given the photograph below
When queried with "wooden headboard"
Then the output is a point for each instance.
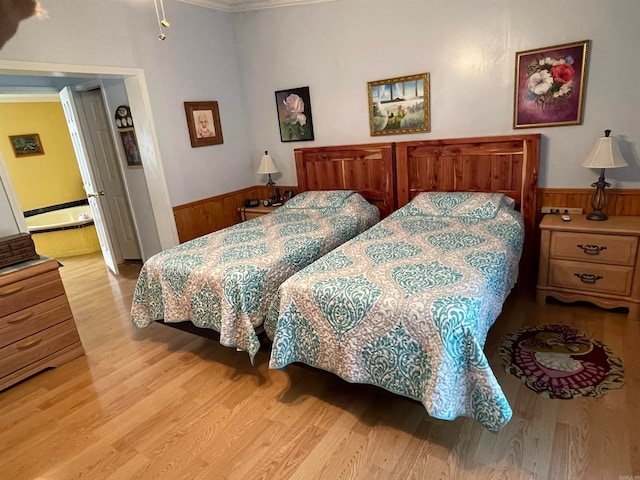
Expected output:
(507, 164)
(368, 169)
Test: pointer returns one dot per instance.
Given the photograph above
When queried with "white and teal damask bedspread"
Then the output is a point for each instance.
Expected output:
(407, 305)
(226, 280)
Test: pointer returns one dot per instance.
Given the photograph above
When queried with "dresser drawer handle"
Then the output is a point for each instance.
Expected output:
(29, 343)
(11, 291)
(588, 277)
(21, 318)
(591, 249)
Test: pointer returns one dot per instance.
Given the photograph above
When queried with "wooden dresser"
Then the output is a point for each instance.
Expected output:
(593, 261)
(37, 329)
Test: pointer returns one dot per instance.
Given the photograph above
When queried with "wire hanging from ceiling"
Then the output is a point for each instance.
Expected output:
(161, 22)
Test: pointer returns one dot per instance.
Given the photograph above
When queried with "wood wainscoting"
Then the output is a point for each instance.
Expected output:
(210, 214)
(214, 213)
(619, 201)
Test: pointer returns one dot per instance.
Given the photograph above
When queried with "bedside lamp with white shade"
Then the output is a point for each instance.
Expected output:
(604, 154)
(267, 167)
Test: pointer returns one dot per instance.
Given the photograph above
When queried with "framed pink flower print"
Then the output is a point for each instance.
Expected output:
(294, 114)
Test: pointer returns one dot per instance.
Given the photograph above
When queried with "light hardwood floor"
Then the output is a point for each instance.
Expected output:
(162, 403)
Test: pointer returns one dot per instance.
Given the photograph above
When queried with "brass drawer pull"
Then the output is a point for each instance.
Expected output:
(588, 277)
(11, 291)
(591, 249)
(21, 318)
(29, 343)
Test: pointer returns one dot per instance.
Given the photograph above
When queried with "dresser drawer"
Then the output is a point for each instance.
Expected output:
(31, 291)
(38, 346)
(591, 277)
(23, 323)
(589, 247)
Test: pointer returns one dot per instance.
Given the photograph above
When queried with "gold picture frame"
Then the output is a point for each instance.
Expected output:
(399, 105)
(26, 145)
(203, 120)
(550, 85)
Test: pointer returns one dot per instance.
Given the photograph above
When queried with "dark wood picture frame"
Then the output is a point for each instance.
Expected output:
(26, 145)
(131, 149)
(203, 120)
(294, 114)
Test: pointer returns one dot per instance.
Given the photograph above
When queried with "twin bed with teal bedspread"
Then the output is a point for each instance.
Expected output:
(407, 305)
(226, 280)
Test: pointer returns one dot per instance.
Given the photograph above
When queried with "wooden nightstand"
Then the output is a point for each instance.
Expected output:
(249, 213)
(597, 262)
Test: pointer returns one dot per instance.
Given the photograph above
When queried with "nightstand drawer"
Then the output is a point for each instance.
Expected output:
(611, 249)
(38, 317)
(591, 277)
(37, 346)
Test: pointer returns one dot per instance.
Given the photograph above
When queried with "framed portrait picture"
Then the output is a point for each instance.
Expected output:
(26, 145)
(550, 85)
(294, 114)
(131, 150)
(203, 120)
(399, 105)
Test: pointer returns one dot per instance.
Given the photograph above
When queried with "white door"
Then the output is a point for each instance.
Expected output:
(88, 178)
(106, 168)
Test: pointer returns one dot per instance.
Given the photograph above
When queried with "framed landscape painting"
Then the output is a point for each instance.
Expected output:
(399, 105)
(26, 145)
(550, 85)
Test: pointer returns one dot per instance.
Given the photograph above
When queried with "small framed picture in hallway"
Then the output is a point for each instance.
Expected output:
(131, 150)
(26, 145)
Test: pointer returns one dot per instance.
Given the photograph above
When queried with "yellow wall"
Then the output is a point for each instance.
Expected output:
(40, 180)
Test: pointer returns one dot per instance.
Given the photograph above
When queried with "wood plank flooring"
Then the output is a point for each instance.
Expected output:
(162, 403)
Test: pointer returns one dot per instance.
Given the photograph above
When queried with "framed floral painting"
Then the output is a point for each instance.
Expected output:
(294, 114)
(399, 105)
(550, 85)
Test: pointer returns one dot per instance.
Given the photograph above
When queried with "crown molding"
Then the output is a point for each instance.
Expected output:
(246, 5)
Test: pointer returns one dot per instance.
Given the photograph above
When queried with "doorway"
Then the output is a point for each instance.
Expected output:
(152, 211)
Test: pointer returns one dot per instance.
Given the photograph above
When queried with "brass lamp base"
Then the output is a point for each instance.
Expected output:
(598, 199)
(597, 215)
(272, 189)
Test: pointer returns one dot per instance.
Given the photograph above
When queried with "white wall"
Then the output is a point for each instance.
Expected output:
(197, 61)
(468, 47)
(335, 48)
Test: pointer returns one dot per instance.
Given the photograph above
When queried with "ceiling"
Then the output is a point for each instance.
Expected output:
(244, 5)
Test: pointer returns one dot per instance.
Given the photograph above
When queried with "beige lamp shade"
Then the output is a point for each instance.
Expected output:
(267, 165)
(605, 154)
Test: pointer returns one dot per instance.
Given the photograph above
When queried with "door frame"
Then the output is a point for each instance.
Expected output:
(140, 104)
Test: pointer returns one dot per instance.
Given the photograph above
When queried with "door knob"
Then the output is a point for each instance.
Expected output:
(95, 195)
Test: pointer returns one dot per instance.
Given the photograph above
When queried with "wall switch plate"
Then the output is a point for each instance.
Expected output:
(562, 210)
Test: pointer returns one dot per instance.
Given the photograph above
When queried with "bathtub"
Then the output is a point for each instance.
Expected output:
(64, 233)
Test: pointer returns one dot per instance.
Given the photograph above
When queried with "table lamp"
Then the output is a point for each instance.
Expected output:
(604, 154)
(267, 167)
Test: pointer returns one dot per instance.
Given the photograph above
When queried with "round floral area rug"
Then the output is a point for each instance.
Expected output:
(558, 361)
